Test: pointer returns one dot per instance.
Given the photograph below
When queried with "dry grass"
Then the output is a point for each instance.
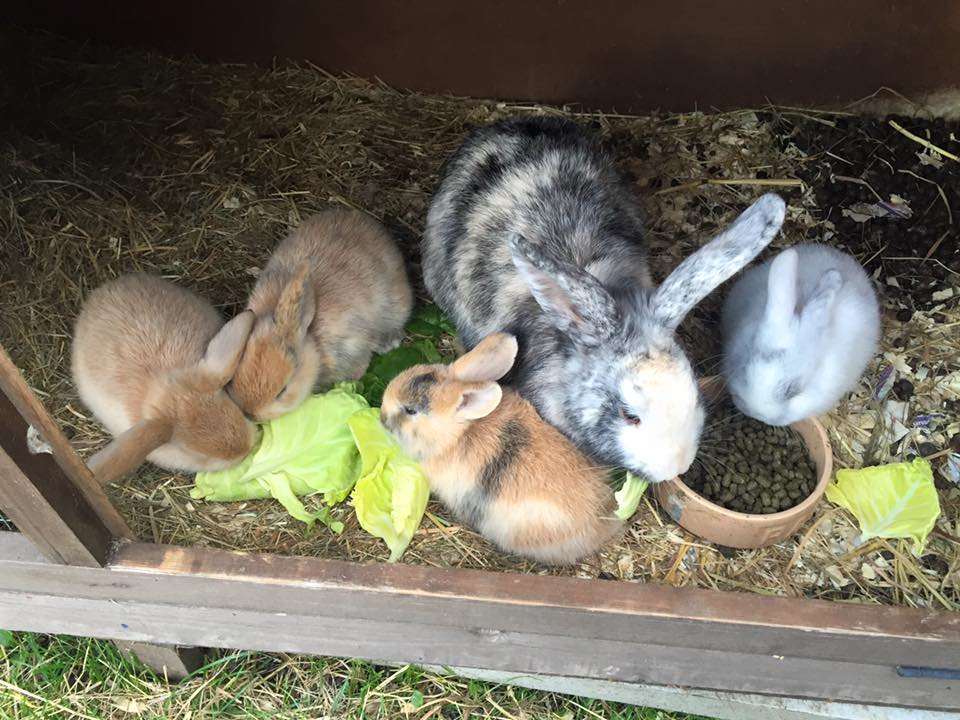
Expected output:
(117, 162)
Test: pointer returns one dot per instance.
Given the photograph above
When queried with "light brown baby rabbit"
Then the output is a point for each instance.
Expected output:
(494, 462)
(145, 349)
(334, 292)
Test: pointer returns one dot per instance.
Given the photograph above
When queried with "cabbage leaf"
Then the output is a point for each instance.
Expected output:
(391, 495)
(307, 451)
(890, 501)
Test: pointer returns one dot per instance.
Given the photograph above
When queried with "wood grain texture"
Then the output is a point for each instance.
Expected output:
(308, 615)
(587, 608)
(128, 451)
(173, 663)
(72, 492)
(43, 502)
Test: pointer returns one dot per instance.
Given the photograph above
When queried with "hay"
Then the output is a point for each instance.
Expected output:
(125, 161)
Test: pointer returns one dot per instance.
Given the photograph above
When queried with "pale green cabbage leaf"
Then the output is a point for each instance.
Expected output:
(628, 496)
(391, 495)
(890, 501)
(307, 451)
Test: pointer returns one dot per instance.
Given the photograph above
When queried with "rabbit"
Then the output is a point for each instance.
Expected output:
(334, 292)
(798, 332)
(494, 462)
(145, 349)
(532, 232)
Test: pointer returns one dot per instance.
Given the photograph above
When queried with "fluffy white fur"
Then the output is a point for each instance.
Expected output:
(798, 333)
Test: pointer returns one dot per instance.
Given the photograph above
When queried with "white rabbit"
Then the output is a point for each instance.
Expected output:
(533, 232)
(798, 331)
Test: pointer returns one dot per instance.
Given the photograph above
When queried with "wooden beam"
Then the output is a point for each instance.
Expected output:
(520, 624)
(54, 500)
(591, 609)
(710, 703)
(614, 55)
(72, 492)
(172, 662)
(43, 502)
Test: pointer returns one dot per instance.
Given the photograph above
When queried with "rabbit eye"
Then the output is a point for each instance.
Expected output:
(282, 391)
(629, 416)
(409, 410)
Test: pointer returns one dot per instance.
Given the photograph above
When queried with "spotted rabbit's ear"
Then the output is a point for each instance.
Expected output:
(490, 360)
(698, 275)
(478, 400)
(574, 301)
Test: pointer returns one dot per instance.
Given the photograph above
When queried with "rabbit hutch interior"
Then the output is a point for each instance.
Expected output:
(185, 141)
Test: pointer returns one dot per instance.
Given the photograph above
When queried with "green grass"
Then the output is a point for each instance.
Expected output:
(58, 677)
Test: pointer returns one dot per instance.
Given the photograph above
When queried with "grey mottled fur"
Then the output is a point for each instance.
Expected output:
(533, 232)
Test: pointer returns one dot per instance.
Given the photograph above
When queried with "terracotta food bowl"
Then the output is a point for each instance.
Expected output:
(742, 530)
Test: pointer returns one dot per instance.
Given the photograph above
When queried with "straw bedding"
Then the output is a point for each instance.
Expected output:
(111, 162)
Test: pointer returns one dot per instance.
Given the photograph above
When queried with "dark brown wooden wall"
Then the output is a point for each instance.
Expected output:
(610, 54)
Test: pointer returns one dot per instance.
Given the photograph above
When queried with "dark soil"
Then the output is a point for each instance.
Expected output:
(914, 255)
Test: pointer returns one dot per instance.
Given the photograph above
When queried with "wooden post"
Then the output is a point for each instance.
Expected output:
(56, 502)
(518, 624)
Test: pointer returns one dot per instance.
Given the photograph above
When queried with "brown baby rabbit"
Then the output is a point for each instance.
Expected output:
(334, 292)
(146, 350)
(494, 462)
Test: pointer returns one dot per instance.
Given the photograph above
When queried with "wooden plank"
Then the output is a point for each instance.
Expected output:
(713, 704)
(128, 451)
(617, 55)
(306, 615)
(55, 501)
(72, 492)
(590, 609)
(81, 542)
(43, 502)
(173, 663)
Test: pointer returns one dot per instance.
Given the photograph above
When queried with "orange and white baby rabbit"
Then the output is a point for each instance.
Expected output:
(494, 462)
(145, 349)
(334, 292)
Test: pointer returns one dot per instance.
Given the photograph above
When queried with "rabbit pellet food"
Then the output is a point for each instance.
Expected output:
(750, 467)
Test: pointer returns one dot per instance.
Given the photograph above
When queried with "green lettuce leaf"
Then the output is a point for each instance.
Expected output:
(305, 452)
(628, 496)
(391, 495)
(890, 501)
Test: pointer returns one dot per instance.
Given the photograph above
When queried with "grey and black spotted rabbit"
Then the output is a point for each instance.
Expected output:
(533, 232)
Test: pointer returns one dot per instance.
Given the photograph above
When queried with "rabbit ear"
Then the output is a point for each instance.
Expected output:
(225, 349)
(817, 311)
(575, 301)
(296, 306)
(782, 290)
(491, 359)
(714, 263)
(478, 400)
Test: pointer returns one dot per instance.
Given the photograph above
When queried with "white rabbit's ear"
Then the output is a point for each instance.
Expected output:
(574, 301)
(226, 348)
(491, 359)
(478, 400)
(782, 291)
(818, 310)
(718, 260)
